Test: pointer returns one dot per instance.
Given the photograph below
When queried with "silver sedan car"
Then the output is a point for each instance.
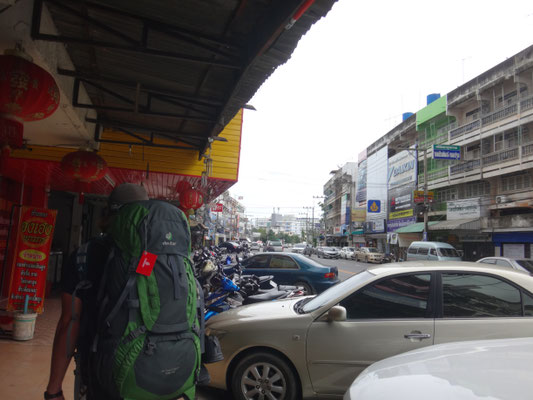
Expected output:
(314, 347)
(521, 264)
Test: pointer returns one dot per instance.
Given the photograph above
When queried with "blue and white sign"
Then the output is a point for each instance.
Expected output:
(373, 206)
(446, 152)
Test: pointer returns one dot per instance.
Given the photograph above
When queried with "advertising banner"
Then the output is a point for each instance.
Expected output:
(377, 176)
(30, 264)
(218, 207)
(466, 208)
(401, 184)
(360, 194)
(359, 214)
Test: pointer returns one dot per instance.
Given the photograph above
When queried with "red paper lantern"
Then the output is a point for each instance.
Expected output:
(27, 91)
(191, 199)
(182, 186)
(84, 166)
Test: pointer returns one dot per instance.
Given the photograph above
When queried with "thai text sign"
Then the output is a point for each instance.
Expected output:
(30, 261)
(359, 214)
(446, 152)
(219, 207)
(419, 196)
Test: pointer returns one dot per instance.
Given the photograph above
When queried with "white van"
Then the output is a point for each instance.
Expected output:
(435, 251)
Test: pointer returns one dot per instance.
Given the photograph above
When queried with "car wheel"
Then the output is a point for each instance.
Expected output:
(307, 287)
(263, 375)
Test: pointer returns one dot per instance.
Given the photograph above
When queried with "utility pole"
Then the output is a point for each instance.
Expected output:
(426, 203)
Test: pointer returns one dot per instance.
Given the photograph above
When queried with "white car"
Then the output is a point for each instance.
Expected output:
(314, 347)
(347, 253)
(474, 370)
(521, 264)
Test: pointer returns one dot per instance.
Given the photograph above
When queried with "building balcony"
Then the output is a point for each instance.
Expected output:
(521, 106)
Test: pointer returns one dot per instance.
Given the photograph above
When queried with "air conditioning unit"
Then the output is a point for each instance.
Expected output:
(502, 199)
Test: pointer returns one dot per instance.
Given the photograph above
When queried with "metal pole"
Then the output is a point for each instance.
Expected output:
(425, 237)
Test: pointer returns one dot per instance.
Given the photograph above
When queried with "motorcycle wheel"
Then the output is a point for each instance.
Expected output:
(253, 378)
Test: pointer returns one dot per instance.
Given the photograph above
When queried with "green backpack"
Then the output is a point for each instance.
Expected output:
(150, 323)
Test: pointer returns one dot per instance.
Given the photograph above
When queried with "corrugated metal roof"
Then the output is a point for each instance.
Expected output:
(175, 69)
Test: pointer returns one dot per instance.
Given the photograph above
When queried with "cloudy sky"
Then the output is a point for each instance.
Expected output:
(351, 78)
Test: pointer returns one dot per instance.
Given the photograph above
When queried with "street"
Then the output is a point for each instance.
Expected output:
(346, 268)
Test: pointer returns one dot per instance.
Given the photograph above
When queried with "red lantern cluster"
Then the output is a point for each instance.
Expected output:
(84, 166)
(27, 91)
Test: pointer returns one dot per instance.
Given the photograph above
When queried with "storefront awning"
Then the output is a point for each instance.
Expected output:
(417, 227)
(463, 224)
(358, 232)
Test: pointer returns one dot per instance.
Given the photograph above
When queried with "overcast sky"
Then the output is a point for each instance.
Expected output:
(351, 78)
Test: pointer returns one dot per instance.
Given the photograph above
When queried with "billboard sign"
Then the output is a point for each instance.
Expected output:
(373, 206)
(419, 196)
(30, 262)
(218, 207)
(446, 152)
(402, 169)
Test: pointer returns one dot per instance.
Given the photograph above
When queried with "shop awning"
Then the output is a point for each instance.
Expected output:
(463, 224)
(417, 227)
(358, 232)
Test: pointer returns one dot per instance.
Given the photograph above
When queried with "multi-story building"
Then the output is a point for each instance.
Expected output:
(474, 147)
(339, 192)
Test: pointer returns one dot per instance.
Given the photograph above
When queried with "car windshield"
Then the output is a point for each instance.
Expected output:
(527, 264)
(328, 249)
(299, 246)
(350, 248)
(373, 250)
(336, 291)
(275, 243)
(446, 252)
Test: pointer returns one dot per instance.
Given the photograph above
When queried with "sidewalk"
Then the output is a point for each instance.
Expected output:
(24, 366)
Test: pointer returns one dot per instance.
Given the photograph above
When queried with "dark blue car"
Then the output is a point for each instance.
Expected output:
(292, 269)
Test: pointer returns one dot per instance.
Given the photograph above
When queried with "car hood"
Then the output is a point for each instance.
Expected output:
(484, 369)
(265, 310)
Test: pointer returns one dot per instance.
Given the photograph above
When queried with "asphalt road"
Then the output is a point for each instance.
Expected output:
(346, 269)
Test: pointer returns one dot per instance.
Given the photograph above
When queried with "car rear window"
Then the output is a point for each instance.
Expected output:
(275, 243)
(527, 264)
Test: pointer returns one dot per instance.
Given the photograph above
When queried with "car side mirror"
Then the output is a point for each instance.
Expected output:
(336, 313)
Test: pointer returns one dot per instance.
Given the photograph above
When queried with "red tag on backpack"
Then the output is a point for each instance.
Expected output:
(146, 263)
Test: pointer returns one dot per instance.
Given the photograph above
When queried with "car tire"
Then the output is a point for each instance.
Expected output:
(246, 385)
(307, 287)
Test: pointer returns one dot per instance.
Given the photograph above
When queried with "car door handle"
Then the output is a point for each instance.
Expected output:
(417, 336)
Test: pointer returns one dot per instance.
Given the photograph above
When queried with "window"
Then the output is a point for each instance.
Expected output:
(397, 297)
(470, 295)
(423, 250)
(433, 252)
(412, 250)
(283, 262)
(515, 182)
(488, 261)
(503, 263)
(447, 195)
(259, 261)
(528, 304)
(477, 189)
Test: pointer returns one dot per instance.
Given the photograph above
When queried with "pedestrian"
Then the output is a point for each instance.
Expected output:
(77, 325)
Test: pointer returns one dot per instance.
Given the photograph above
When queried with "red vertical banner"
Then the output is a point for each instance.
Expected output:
(30, 262)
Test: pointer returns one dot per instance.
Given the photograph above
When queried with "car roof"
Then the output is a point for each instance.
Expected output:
(432, 244)
(413, 266)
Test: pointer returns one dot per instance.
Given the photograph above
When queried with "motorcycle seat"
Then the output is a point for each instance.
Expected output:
(270, 295)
